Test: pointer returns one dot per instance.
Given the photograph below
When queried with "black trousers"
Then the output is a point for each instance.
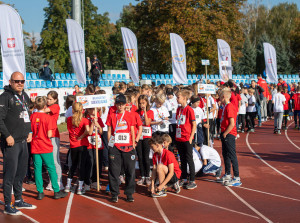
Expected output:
(218, 123)
(29, 174)
(100, 158)
(185, 150)
(172, 133)
(143, 150)
(76, 154)
(87, 162)
(211, 131)
(242, 121)
(15, 162)
(285, 117)
(250, 116)
(116, 158)
(270, 108)
(229, 154)
(105, 152)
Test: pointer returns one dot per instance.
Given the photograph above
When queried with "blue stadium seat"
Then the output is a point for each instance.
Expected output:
(162, 76)
(57, 76)
(66, 83)
(106, 83)
(234, 76)
(239, 76)
(289, 76)
(104, 76)
(247, 76)
(167, 76)
(148, 77)
(144, 77)
(34, 76)
(124, 76)
(31, 84)
(158, 83)
(28, 76)
(71, 84)
(136, 84)
(73, 76)
(63, 76)
(157, 76)
(288, 81)
(194, 77)
(54, 84)
(168, 82)
(119, 76)
(43, 84)
(237, 81)
(171, 77)
(152, 76)
(1, 84)
(189, 82)
(108, 76)
(37, 84)
(114, 76)
(189, 76)
(101, 83)
(68, 76)
(48, 84)
(1, 75)
(81, 85)
(76, 83)
(88, 78)
(217, 77)
(194, 81)
(60, 84)
(111, 83)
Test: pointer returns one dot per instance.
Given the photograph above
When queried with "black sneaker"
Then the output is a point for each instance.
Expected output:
(11, 210)
(183, 183)
(40, 196)
(191, 185)
(129, 198)
(23, 205)
(60, 194)
(219, 171)
(114, 199)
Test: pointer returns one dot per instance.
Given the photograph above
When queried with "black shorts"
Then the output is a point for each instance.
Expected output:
(173, 180)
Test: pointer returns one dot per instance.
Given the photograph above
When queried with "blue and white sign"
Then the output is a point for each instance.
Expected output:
(206, 89)
(205, 62)
(93, 101)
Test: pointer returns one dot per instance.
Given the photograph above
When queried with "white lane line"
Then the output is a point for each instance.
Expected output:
(288, 138)
(162, 213)
(258, 191)
(119, 209)
(30, 218)
(68, 210)
(249, 206)
(261, 159)
(213, 205)
(275, 195)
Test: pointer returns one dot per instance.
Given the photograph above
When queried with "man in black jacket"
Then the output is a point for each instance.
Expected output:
(96, 70)
(15, 129)
(258, 94)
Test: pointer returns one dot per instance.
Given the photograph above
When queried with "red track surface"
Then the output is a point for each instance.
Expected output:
(269, 192)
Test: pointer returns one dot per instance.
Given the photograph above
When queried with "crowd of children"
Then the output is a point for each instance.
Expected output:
(166, 131)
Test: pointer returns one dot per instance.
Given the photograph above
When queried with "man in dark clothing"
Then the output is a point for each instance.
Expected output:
(46, 73)
(15, 129)
(96, 70)
(258, 94)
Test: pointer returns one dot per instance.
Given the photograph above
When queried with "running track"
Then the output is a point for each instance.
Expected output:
(269, 169)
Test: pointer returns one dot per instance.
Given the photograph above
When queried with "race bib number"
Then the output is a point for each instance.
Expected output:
(122, 138)
(92, 140)
(178, 132)
(146, 131)
(111, 142)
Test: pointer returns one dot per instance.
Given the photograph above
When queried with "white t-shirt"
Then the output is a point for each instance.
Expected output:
(251, 100)
(210, 155)
(210, 103)
(278, 101)
(244, 101)
(69, 112)
(159, 115)
(197, 161)
(104, 118)
(199, 115)
(174, 106)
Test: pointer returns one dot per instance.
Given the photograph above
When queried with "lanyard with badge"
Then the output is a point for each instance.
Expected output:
(146, 130)
(118, 137)
(180, 121)
(223, 112)
(160, 158)
(24, 114)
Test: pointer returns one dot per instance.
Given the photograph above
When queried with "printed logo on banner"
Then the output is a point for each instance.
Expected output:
(178, 58)
(33, 95)
(131, 55)
(11, 43)
(269, 60)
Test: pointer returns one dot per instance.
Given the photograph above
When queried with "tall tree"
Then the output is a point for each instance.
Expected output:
(295, 45)
(260, 57)
(248, 62)
(283, 56)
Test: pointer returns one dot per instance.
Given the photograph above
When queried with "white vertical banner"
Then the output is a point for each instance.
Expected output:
(271, 63)
(224, 54)
(131, 53)
(178, 59)
(77, 50)
(12, 43)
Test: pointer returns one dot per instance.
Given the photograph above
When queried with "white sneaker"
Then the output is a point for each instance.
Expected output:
(224, 178)
(87, 187)
(237, 136)
(235, 182)
(49, 186)
(79, 191)
(67, 189)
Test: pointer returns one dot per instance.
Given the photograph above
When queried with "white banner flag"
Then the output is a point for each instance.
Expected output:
(224, 54)
(178, 59)
(77, 51)
(12, 43)
(131, 53)
(271, 63)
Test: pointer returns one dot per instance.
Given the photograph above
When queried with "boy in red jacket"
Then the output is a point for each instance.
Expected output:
(42, 149)
(286, 107)
(296, 107)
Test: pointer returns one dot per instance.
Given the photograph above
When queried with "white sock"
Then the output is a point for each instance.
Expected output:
(69, 181)
(80, 184)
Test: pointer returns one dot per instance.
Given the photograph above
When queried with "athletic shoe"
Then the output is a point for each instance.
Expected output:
(129, 198)
(224, 178)
(141, 181)
(183, 183)
(40, 196)
(176, 187)
(191, 185)
(235, 182)
(161, 193)
(243, 131)
(30, 182)
(251, 130)
(60, 194)
(94, 185)
(275, 131)
(219, 171)
(284, 128)
(86, 188)
(259, 125)
(49, 186)
(11, 210)
(239, 130)
(122, 179)
(107, 190)
(114, 199)
(80, 191)
(278, 132)
(148, 181)
(23, 205)
(67, 189)
(106, 168)
(237, 136)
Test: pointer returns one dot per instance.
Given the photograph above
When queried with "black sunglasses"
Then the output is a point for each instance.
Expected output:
(19, 81)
